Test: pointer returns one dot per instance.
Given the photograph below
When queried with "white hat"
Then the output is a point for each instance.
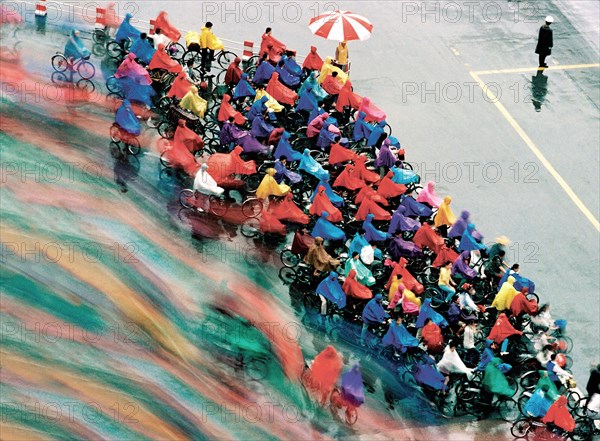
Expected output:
(549, 19)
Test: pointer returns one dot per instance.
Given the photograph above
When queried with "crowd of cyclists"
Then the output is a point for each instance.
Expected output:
(378, 260)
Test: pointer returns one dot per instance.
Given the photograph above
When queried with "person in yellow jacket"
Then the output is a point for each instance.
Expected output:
(270, 187)
(192, 41)
(328, 68)
(445, 217)
(194, 102)
(209, 44)
(506, 295)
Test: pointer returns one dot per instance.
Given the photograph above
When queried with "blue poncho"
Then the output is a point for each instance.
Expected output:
(142, 50)
(414, 208)
(284, 148)
(486, 356)
(376, 133)
(282, 172)
(537, 406)
(468, 242)
(133, 91)
(316, 87)
(263, 73)
(353, 390)
(326, 229)
(126, 30)
(399, 337)
(428, 375)
(260, 128)
(404, 176)
(286, 77)
(75, 48)
(331, 289)
(362, 129)
(373, 313)
(520, 281)
(307, 101)
(373, 234)
(316, 112)
(334, 198)
(426, 312)
(326, 137)
(258, 108)
(291, 66)
(311, 166)
(357, 244)
(127, 120)
(243, 88)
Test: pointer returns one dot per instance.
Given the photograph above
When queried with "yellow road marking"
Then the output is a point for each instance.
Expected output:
(493, 98)
(529, 69)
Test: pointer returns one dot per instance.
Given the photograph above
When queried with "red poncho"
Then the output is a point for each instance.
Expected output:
(222, 165)
(445, 255)
(180, 87)
(234, 73)
(408, 280)
(270, 224)
(179, 155)
(280, 92)
(322, 203)
(559, 415)
(355, 289)
(339, 154)
(161, 60)
(188, 138)
(325, 372)
(111, 19)
(426, 236)
(369, 206)
(502, 329)
(388, 188)
(432, 335)
(287, 210)
(365, 193)
(275, 136)
(374, 114)
(277, 48)
(520, 305)
(362, 172)
(348, 179)
(347, 98)
(331, 85)
(301, 242)
(166, 28)
(313, 61)
(227, 111)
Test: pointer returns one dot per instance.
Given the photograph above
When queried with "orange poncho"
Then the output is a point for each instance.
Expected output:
(339, 154)
(322, 203)
(502, 329)
(180, 87)
(432, 335)
(426, 236)
(388, 188)
(161, 60)
(348, 179)
(313, 61)
(362, 172)
(280, 92)
(369, 206)
(287, 210)
(347, 98)
(227, 111)
(325, 372)
(353, 288)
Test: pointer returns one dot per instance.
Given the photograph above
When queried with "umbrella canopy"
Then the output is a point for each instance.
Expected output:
(341, 26)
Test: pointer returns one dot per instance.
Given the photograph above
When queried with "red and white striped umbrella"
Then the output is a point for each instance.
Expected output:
(341, 26)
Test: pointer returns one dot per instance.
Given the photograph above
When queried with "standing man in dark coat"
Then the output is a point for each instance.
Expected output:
(545, 43)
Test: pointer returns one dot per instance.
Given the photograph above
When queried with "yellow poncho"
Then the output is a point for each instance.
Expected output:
(408, 294)
(328, 68)
(445, 216)
(272, 104)
(270, 187)
(210, 40)
(194, 102)
(506, 295)
(192, 37)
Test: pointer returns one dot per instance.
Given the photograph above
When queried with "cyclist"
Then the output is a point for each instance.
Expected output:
(75, 49)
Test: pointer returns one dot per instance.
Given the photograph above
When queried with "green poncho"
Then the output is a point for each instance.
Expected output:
(494, 380)
(363, 274)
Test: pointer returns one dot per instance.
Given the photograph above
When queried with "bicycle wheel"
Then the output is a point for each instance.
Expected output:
(225, 58)
(288, 275)
(60, 79)
(99, 36)
(251, 183)
(115, 132)
(351, 415)
(289, 259)
(251, 228)
(217, 206)
(187, 199)
(520, 428)
(565, 344)
(192, 55)
(335, 401)
(112, 84)
(114, 101)
(176, 51)
(164, 159)
(522, 402)
(584, 429)
(166, 130)
(437, 296)
(508, 409)
(513, 385)
(115, 150)
(252, 208)
(467, 392)
(133, 146)
(86, 85)
(114, 50)
(59, 63)
(573, 399)
(529, 380)
(99, 50)
(86, 70)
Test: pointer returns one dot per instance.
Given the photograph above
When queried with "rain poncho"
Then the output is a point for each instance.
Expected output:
(166, 28)
(316, 125)
(287, 210)
(331, 289)
(401, 248)
(460, 225)
(136, 92)
(282, 172)
(468, 241)
(502, 329)
(307, 101)
(335, 198)
(261, 128)
(75, 48)
(399, 337)
(208, 40)
(325, 372)
(399, 269)
(327, 136)
(520, 305)
(373, 312)
(410, 303)
(362, 129)
(433, 338)
(331, 85)
(428, 312)
(313, 61)
(316, 87)
(388, 188)
(354, 288)
(180, 87)
(327, 230)
(461, 266)
(494, 380)
(290, 66)
(318, 257)
(357, 244)
(227, 111)
(347, 98)
(363, 274)
(445, 216)
(427, 237)
(538, 404)
(372, 234)
(127, 120)
(231, 135)
(428, 195)
(404, 176)
(352, 387)
(284, 148)
(427, 374)
(309, 165)
(263, 73)
(362, 171)
(487, 355)
(505, 296)
(234, 72)
(285, 77)
(328, 68)
(376, 134)
(400, 222)
(272, 46)
(186, 138)
(338, 154)
(259, 107)
(322, 203)
(271, 103)
(302, 241)
(223, 165)
(370, 206)
(414, 208)
(162, 60)
(243, 88)
(280, 92)
(445, 254)
(129, 68)
(385, 158)
(348, 179)
(452, 364)
(270, 187)
(205, 184)
(194, 102)
(126, 30)
(520, 281)
(142, 50)
(372, 111)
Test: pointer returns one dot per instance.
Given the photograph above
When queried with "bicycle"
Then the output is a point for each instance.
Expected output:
(118, 135)
(223, 58)
(84, 68)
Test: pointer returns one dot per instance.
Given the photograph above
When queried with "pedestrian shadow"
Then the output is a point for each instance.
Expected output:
(539, 89)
